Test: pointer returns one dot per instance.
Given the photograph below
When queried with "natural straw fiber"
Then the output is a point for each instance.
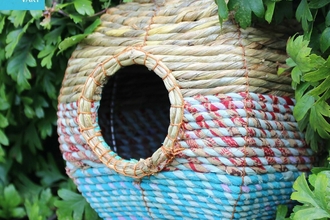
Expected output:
(166, 114)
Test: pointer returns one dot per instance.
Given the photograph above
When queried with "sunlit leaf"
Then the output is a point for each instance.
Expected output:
(303, 193)
(84, 7)
(311, 213)
(270, 5)
(17, 17)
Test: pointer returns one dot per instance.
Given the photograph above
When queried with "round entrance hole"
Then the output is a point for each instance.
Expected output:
(134, 112)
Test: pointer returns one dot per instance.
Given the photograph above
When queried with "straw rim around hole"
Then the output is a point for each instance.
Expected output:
(90, 129)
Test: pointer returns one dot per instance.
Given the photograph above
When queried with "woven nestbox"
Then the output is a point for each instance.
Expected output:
(166, 114)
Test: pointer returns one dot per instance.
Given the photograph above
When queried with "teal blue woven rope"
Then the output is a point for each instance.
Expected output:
(184, 194)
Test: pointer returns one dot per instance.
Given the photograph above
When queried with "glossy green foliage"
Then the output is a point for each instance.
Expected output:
(36, 46)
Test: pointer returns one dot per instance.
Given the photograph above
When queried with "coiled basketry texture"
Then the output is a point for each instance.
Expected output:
(166, 114)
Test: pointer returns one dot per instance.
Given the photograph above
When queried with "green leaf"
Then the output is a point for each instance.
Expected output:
(3, 104)
(310, 213)
(303, 106)
(301, 89)
(325, 40)
(28, 111)
(316, 170)
(281, 212)
(303, 123)
(45, 126)
(28, 189)
(47, 54)
(327, 20)
(270, 5)
(304, 15)
(84, 7)
(32, 210)
(257, 7)
(2, 23)
(40, 205)
(12, 40)
(321, 72)
(36, 14)
(32, 138)
(14, 37)
(244, 10)
(312, 179)
(320, 89)
(48, 84)
(54, 36)
(18, 69)
(222, 10)
(26, 100)
(71, 41)
(3, 121)
(18, 212)
(311, 136)
(290, 62)
(3, 138)
(318, 3)
(77, 18)
(303, 193)
(298, 51)
(283, 10)
(93, 26)
(38, 42)
(15, 150)
(17, 17)
(322, 187)
(2, 155)
(317, 120)
(39, 111)
(296, 74)
(50, 172)
(73, 206)
(11, 196)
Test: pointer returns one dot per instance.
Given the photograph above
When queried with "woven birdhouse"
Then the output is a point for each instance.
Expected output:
(166, 114)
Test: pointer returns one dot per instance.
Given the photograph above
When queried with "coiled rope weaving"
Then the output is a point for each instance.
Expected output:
(166, 114)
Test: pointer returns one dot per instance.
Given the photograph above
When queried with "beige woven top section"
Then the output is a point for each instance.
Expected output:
(184, 44)
(186, 36)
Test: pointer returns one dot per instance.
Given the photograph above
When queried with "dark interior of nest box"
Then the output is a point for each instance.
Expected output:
(134, 112)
